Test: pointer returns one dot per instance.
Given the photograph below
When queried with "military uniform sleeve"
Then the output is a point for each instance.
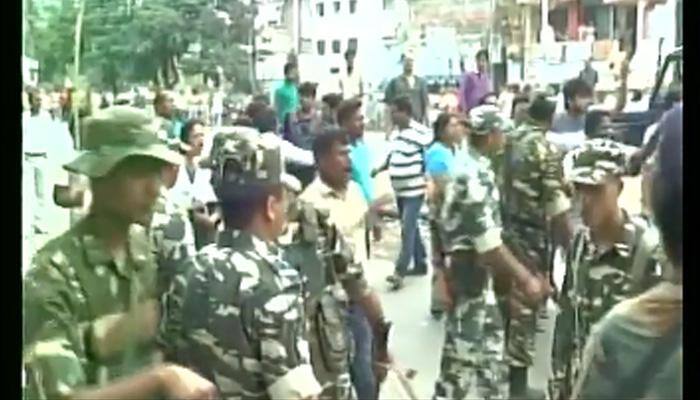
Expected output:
(285, 361)
(54, 353)
(554, 190)
(470, 214)
(194, 314)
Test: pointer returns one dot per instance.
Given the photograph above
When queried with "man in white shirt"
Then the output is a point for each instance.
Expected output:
(193, 190)
(407, 171)
(350, 82)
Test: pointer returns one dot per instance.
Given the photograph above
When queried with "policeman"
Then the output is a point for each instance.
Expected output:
(243, 311)
(472, 222)
(611, 257)
(534, 198)
(90, 308)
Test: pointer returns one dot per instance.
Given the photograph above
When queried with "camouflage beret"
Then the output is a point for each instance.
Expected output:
(253, 159)
(484, 119)
(115, 133)
(597, 159)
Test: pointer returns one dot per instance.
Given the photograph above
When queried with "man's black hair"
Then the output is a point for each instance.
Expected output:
(594, 120)
(482, 53)
(288, 67)
(403, 104)
(265, 120)
(347, 109)
(324, 142)
(159, 98)
(667, 185)
(308, 89)
(541, 109)
(636, 95)
(576, 88)
(241, 203)
(186, 129)
(332, 100)
(517, 100)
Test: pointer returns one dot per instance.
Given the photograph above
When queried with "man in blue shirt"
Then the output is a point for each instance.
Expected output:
(351, 120)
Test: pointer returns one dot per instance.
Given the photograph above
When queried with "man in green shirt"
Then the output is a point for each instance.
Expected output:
(287, 95)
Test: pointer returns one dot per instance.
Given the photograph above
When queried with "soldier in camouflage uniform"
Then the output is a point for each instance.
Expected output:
(243, 311)
(90, 296)
(636, 350)
(533, 200)
(611, 258)
(172, 242)
(471, 218)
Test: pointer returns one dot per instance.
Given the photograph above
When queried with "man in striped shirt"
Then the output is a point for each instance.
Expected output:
(406, 169)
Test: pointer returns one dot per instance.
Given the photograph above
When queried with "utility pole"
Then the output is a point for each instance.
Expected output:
(76, 71)
(296, 25)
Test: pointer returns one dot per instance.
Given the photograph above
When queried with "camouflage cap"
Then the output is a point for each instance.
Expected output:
(484, 119)
(252, 158)
(115, 133)
(596, 160)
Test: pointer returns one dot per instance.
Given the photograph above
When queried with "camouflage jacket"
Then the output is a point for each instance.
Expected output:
(72, 293)
(471, 212)
(172, 242)
(597, 279)
(243, 319)
(533, 190)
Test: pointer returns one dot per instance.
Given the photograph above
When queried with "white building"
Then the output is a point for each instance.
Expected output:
(331, 27)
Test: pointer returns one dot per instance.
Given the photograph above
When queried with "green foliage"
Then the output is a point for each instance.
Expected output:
(124, 42)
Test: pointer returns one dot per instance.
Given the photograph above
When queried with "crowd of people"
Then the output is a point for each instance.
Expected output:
(228, 261)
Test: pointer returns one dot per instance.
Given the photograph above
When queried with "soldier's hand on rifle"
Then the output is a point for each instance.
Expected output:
(534, 289)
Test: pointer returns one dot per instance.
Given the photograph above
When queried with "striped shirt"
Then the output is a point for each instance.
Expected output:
(406, 160)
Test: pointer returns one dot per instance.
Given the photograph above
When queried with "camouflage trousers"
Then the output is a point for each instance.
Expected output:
(473, 349)
(521, 329)
(565, 363)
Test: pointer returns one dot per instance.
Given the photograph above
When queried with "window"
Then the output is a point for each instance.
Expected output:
(353, 6)
(336, 6)
(319, 9)
(352, 44)
(336, 46)
(388, 4)
(321, 47)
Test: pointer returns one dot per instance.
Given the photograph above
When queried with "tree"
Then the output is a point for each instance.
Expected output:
(129, 42)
